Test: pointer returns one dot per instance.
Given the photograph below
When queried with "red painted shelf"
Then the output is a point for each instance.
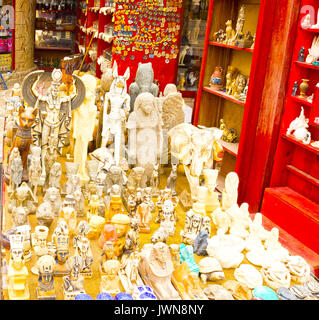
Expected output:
(300, 144)
(307, 65)
(310, 30)
(224, 95)
(217, 44)
(301, 100)
(231, 148)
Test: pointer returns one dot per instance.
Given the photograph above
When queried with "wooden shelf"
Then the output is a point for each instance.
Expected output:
(231, 148)
(310, 30)
(301, 100)
(307, 65)
(217, 44)
(59, 11)
(53, 48)
(224, 95)
(300, 144)
(55, 30)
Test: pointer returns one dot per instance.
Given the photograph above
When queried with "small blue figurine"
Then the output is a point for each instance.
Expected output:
(123, 296)
(144, 293)
(200, 243)
(301, 55)
(186, 254)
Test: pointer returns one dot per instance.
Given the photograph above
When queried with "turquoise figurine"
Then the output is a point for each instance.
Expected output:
(186, 254)
(265, 293)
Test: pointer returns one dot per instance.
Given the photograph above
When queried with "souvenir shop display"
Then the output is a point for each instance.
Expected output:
(111, 194)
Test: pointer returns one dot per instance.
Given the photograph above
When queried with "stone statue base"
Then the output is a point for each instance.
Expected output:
(48, 297)
(60, 270)
(71, 295)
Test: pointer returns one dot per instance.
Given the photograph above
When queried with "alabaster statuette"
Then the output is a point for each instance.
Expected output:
(39, 240)
(168, 217)
(73, 283)
(239, 291)
(132, 243)
(155, 180)
(187, 283)
(107, 254)
(248, 275)
(160, 235)
(115, 110)
(17, 271)
(230, 193)
(20, 217)
(298, 128)
(274, 247)
(83, 249)
(221, 219)
(45, 214)
(35, 168)
(83, 119)
(111, 281)
(53, 197)
(210, 270)
(45, 289)
(55, 176)
(68, 213)
(16, 171)
(145, 133)
(25, 231)
(79, 204)
(163, 196)
(171, 180)
(156, 269)
(23, 197)
(299, 269)
(96, 224)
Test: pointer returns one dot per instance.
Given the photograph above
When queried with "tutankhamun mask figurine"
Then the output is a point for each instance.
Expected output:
(17, 271)
(83, 125)
(45, 289)
(73, 283)
(62, 254)
(55, 176)
(53, 123)
(230, 193)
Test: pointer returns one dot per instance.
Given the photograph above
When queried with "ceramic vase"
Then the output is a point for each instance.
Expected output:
(216, 79)
(303, 88)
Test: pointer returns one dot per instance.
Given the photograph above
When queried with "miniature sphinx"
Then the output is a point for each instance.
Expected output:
(156, 268)
(35, 169)
(298, 128)
(55, 176)
(128, 273)
(73, 183)
(135, 179)
(45, 214)
(17, 271)
(22, 197)
(187, 283)
(230, 193)
(115, 110)
(45, 289)
(73, 282)
(168, 221)
(145, 134)
(143, 83)
(83, 125)
(83, 250)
